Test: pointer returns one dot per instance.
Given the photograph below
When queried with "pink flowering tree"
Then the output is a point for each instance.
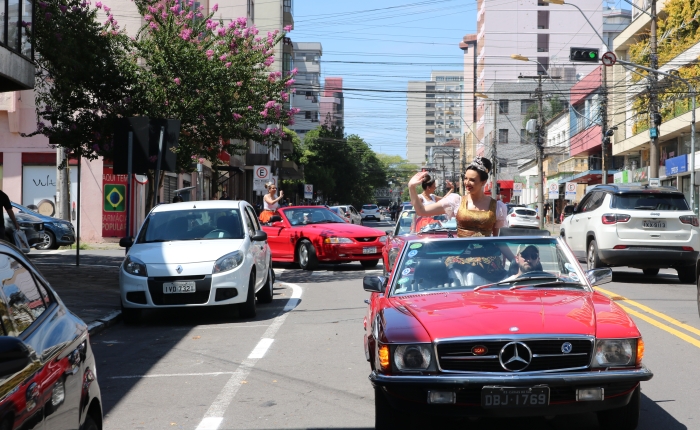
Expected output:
(214, 77)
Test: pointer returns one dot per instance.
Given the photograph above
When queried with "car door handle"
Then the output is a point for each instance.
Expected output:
(366, 301)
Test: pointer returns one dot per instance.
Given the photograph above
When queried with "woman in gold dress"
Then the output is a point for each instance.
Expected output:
(477, 215)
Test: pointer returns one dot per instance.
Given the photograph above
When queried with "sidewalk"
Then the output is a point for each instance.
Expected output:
(90, 292)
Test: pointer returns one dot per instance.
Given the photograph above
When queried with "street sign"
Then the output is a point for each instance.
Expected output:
(517, 189)
(570, 193)
(261, 175)
(308, 191)
(608, 59)
(553, 188)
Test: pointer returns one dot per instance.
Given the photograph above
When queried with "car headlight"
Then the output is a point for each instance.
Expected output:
(412, 357)
(382, 239)
(337, 240)
(615, 352)
(393, 253)
(134, 266)
(228, 262)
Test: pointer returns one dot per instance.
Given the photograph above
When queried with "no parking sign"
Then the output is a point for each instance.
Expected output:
(570, 191)
(261, 175)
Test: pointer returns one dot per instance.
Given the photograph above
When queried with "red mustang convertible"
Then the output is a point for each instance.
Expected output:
(506, 326)
(308, 235)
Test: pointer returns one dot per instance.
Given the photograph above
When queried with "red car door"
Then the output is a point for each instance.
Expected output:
(278, 236)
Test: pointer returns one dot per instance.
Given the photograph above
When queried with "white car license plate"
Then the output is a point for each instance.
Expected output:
(653, 224)
(179, 287)
(370, 250)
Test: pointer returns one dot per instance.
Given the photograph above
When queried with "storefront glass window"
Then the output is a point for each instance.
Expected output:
(684, 147)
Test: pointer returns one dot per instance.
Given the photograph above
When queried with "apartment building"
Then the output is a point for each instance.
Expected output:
(307, 61)
(631, 139)
(541, 31)
(433, 113)
(333, 102)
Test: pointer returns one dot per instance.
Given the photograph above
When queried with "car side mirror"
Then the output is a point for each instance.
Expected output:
(126, 242)
(277, 224)
(14, 355)
(259, 236)
(275, 218)
(374, 284)
(599, 276)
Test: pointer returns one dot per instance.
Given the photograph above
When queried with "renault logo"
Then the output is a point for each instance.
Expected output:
(515, 356)
(179, 269)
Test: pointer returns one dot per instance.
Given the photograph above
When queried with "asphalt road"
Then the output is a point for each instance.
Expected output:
(305, 368)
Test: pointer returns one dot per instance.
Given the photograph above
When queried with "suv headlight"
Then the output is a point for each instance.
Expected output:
(615, 352)
(412, 357)
(134, 266)
(228, 262)
(337, 240)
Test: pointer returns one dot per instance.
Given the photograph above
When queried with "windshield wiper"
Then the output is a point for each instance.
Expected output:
(511, 281)
(557, 283)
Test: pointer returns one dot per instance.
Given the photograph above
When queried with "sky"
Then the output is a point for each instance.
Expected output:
(377, 46)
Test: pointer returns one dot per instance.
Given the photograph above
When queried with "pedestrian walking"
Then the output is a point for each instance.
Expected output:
(7, 204)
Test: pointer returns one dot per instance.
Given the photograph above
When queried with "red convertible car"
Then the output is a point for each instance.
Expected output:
(505, 326)
(308, 235)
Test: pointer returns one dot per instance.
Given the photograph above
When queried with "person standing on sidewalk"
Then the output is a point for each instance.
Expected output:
(5, 203)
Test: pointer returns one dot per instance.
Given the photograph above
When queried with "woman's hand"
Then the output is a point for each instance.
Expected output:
(281, 193)
(417, 179)
(450, 185)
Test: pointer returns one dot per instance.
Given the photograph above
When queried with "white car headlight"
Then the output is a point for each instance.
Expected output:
(134, 266)
(412, 357)
(228, 262)
(337, 240)
(615, 352)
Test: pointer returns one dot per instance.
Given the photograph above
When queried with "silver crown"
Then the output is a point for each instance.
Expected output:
(479, 164)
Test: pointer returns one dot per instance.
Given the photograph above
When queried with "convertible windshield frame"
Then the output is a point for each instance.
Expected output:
(560, 254)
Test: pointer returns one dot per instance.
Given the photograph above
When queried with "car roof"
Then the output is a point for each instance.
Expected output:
(624, 189)
(200, 204)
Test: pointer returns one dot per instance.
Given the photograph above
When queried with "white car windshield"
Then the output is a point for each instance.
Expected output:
(194, 224)
(474, 264)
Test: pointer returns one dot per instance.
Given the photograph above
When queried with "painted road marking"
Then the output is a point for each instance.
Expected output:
(169, 375)
(691, 340)
(214, 415)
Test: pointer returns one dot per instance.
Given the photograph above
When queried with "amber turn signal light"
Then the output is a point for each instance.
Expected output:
(640, 351)
(384, 357)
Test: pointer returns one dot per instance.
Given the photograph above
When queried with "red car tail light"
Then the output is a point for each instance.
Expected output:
(615, 218)
(690, 219)
(620, 247)
(688, 248)
(513, 214)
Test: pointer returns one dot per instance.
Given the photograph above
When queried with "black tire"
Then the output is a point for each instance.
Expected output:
(131, 316)
(90, 424)
(265, 294)
(650, 272)
(248, 309)
(369, 264)
(49, 241)
(686, 274)
(624, 418)
(306, 255)
(592, 260)
(385, 417)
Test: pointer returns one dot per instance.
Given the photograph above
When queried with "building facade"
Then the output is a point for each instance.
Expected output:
(333, 102)
(307, 61)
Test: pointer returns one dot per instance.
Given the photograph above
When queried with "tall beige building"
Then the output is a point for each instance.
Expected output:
(433, 113)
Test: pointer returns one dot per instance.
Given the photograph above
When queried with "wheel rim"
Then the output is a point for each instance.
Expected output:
(590, 260)
(45, 243)
(303, 255)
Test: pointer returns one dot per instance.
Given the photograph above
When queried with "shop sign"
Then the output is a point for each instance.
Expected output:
(113, 204)
(622, 177)
(677, 165)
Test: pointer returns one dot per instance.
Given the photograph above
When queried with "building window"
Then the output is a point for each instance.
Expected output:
(430, 105)
(503, 135)
(307, 114)
(541, 3)
(430, 131)
(525, 105)
(542, 43)
(523, 136)
(430, 122)
(503, 106)
(429, 140)
(542, 69)
(430, 114)
(542, 19)
(430, 88)
(430, 96)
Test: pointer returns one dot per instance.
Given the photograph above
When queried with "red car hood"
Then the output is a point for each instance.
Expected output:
(342, 229)
(499, 312)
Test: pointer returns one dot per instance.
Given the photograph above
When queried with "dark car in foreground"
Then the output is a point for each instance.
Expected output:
(458, 329)
(57, 232)
(47, 367)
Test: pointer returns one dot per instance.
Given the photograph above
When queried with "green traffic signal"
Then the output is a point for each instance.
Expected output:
(592, 55)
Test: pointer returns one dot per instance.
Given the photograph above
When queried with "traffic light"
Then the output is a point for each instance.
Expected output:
(584, 55)
(657, 118)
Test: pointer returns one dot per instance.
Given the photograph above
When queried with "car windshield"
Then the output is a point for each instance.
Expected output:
(475, 264)
(650, 201)
(24, 209)
(192, 224)
(525, 212)
(306, 216)
(405, 223)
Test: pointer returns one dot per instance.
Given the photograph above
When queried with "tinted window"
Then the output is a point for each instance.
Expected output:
(195, 224)
(594, 201)
(254, 219)
(24, 299)
(650, 201)
(370, 207)
(528, 212)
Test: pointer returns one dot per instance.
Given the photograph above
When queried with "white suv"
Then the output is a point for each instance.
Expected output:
(635, 226)
(370, 211)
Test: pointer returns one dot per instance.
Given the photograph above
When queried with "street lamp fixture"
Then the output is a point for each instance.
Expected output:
(519, 57)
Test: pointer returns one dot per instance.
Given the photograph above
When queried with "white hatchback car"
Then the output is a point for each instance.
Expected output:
(523, 217)
(370, 211)
(201, 253)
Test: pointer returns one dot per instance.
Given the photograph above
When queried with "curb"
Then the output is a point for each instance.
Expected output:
(103, 323)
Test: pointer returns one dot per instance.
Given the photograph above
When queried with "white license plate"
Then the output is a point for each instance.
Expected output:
(179, 287)
(653, 224)
(371, 250)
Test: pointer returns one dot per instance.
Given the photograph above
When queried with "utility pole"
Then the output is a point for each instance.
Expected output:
(653, 99)
(540, 151)
(63, 177)
(494, 177)
(604, 124)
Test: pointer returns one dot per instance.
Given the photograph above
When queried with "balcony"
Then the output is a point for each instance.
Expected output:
(573, 165)
(16, 49)
(288, 13)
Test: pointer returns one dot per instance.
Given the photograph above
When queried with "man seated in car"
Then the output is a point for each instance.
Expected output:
(527, 259)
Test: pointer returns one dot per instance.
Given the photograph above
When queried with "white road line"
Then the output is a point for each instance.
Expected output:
(168, 375)
(216, 327)
(214, 415)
